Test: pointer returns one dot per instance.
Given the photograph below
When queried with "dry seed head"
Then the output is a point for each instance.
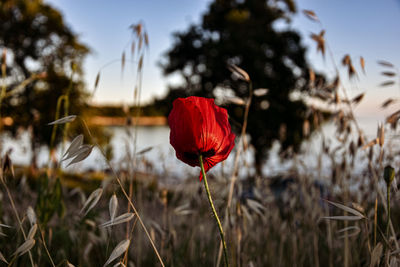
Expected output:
(319, 39)
(239, 72)
(306, 128)
(337, 98)
(371, 154)
(31, 215)
(388, 73)
(146, 39)
(260, 92)
(381, 135)
(335, 83)
(346, 61)
(152, 233)
(237, 101)
(311, 15)
(122, 61)
(385, 63)
(164, 197)
(315, 119)
(96, 83)
(352, 148)
(393, 118)
(2, 258)
(371, 143)
(358, 98)
(140, 42)
(137, 28)
(118, 251)
(352, 70)
(362, 63)
(140, 65)
(388, 102)
(312, 77)
(358, 207)
(387, 83)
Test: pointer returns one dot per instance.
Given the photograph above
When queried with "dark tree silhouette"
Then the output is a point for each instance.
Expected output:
(36, 41)
(245, 33)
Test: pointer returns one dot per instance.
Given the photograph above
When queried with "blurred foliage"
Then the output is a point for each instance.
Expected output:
(117, 111)
(40, 48)
(49, 201)
(252, 35)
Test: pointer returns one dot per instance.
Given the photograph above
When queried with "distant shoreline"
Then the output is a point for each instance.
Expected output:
(122, 121)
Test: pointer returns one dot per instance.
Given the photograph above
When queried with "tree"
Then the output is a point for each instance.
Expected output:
(42, 59)
(245, 33)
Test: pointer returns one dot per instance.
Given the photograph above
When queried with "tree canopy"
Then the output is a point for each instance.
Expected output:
(42, 59)
(252, 35)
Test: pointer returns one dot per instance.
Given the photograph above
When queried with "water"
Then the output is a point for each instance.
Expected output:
(161, 158)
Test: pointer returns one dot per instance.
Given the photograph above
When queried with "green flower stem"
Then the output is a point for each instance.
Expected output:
(388, 212)
(221, 232)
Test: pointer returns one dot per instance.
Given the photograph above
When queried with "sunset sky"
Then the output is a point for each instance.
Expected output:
(367, 28)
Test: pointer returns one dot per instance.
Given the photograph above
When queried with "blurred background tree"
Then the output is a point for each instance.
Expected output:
(43, 61)
(254, 35)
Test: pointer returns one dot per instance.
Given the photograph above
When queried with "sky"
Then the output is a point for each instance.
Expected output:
(367, 28)
(104, 26)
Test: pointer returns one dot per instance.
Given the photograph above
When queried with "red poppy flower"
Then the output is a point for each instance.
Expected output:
(199, 127)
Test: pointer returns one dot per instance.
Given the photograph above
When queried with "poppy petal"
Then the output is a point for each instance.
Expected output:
(199, 127)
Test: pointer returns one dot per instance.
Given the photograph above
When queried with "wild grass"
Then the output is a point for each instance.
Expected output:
(334, 217)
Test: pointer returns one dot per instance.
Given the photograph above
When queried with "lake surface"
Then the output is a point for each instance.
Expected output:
(161, 158)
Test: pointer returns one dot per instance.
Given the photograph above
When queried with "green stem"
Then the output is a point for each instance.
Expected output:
(55, 126)
(221, 231)
(388, 212)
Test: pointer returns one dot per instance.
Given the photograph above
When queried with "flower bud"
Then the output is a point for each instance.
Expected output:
(388, 175)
